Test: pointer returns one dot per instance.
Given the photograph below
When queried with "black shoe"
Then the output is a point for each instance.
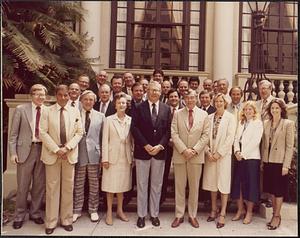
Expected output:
(155, 221)
(268, 203)
(68, 227)
(49, 231)
(38, 220)
(17, 224)
(140, 222)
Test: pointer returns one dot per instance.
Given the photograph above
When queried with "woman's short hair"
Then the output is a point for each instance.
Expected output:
(222, 96)
(281, 104)
(242, 113)
(86, 92)
(118, 96)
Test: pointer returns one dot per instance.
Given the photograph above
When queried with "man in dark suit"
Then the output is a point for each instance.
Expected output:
(128, 80)
(150, 127)
(104, 105)
(205, 98)
(101, 78)
(165, 86)
(137, 99)
(174, 103)
(25, 148)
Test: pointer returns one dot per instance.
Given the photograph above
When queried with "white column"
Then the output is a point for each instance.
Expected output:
(92, 25)
(223, 41)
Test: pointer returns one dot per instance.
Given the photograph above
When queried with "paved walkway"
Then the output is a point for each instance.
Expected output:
(84, 227)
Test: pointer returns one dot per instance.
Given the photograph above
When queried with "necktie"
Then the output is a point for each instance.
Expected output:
(173, 111)
(87, 121)
(154, 114)
(264, 109)
(73, 104)
(103, 107)
(63, 137)
(37, 122)
(191, 119)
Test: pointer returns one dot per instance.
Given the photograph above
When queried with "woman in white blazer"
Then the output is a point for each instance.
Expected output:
(117, 157)
(245, 185)
(217, 167)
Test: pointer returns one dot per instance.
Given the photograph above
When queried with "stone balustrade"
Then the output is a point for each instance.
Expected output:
(284, 86)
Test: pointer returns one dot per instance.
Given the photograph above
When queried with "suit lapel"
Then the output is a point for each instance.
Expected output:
(28, 112)
(147, 113)
(221, 129)
(277, 133)
(117, 125)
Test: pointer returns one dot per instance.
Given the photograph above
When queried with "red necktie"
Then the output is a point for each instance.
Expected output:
(37, 122)
(191, 119)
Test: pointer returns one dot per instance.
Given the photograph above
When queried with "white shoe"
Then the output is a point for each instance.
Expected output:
(75, 217)
(94, 217)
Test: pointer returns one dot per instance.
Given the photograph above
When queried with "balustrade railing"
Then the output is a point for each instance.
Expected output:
(284, 86)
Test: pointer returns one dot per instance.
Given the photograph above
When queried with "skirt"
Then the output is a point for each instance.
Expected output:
(273, 181)
(246, 178)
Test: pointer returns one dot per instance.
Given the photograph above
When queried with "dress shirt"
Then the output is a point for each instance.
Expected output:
(83, 114)
(156, 106)
(76, 102)
(187, 119)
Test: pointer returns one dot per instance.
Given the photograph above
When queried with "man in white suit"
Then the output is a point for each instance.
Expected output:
(189, 132)
(61, 131)
(25, 150)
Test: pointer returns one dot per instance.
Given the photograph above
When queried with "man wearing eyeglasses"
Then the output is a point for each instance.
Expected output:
(25, 149)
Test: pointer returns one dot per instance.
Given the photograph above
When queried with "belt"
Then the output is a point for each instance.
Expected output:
(36, 143)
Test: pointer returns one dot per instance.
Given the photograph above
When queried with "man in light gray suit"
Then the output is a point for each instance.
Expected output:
(25, 150)
(89, 154)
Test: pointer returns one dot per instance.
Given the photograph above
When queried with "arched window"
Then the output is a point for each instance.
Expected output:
(158, 34)
(280, 34)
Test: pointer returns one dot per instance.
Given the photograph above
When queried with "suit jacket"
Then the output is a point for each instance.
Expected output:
(259, 105)
(282, 147)
(21, 131)
(113, 137)
(250, 141)
(145, 133)
(211, 109)
(183, 137)
(50, 133)
(93, 139)
(110, 108)
(95, 89)
(225, 135)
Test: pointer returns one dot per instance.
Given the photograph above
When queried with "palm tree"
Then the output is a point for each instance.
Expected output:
(38, 47)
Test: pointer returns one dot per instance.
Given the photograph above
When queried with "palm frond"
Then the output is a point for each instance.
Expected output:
(68, 9)
(13, 82)
(18, 45)
(50, 38)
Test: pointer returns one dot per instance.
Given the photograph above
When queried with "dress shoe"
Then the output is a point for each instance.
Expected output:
(94, 217)
(177, 222)
(49, 231)
(212, 218)
(140, 222)
(38, 220)
(238, 216)
(68, 227)
(194, 222)
(155, 221)
(17, 224)
(122, 217)
(219, 224)
(76, 216)
(271, 227)
(268, 204)
(248, 218)
(109, 220)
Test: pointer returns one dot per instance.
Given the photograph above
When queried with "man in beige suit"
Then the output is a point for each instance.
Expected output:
(61, 131)
(189, 132)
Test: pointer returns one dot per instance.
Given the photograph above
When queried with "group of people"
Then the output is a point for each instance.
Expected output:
(126, 133)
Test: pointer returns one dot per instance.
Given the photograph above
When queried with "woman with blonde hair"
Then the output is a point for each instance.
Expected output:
(217, 167)
(277, 152)
(245, 186)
